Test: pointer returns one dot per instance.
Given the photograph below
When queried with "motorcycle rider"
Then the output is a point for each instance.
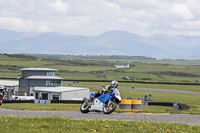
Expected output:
(2, 91)
(113, 85)
(105, 101)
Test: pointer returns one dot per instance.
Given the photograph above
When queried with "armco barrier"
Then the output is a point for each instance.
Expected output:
(178, 105)
(68, 101)
(52, 101)
(161, 103)
(18, 101)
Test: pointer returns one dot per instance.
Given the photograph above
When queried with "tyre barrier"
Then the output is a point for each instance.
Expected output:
(130, 105)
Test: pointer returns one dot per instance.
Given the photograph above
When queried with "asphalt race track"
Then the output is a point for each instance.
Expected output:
(169, 118)
(146, 89)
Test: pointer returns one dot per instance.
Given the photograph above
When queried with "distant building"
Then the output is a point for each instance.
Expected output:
(122, 65)
(43, 84)
(37, 77)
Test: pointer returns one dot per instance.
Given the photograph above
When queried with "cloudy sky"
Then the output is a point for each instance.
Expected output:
(93, 17)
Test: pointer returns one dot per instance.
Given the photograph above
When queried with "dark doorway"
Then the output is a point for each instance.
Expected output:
(36, 96)
(44, 95)
(55, 97)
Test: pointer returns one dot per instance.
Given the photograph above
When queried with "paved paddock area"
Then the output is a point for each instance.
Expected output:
(169, 118)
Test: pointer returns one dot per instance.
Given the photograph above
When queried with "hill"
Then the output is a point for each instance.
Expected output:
(109, 43)
(94, 57)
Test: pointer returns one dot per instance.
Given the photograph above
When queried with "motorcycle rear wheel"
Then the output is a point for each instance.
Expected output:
(85, 107)
(107, 109)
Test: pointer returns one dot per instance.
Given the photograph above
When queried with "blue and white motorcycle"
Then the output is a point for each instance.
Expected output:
(106, 103)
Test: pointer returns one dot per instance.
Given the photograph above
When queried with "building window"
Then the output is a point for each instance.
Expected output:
(50, 73)
(52, 83)
(48, 83)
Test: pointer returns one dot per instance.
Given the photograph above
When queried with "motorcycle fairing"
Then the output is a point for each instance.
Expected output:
(105, 97)
(96, 106)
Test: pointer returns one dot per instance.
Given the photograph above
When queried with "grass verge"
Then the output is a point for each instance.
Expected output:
(61, 125)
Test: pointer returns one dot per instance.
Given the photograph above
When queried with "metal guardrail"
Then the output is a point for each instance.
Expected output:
(52, 101)
(178, 105)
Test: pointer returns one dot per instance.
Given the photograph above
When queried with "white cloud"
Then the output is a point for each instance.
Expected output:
(109, 4)
(187, 25)
(44, 28)
(92, 17)
(59, 6)
(182, 10)
(15, 23)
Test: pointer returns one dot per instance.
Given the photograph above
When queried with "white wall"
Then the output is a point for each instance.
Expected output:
(75, 95)
(68, 95)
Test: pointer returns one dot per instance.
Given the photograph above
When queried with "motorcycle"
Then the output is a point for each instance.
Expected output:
(2, 97)
(105, 103)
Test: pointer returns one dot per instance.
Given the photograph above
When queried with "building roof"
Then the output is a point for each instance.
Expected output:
(58, 89)
(43, 77)
(37, 69)
(9, 83)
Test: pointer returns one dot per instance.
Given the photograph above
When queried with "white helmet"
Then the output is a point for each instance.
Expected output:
(114, 84)
(2, 87)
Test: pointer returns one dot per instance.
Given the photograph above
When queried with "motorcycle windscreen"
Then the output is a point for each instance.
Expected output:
(104, 98)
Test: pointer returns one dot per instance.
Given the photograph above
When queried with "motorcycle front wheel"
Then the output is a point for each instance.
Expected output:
(85, 107)
(109, 107)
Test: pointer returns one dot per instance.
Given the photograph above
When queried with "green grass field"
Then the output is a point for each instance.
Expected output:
(83, 69)
(193, 88)
(60, 125)
(91, 69)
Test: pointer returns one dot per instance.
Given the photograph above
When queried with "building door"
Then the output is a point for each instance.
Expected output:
(36, 96)
(44, 95)
(55, 97)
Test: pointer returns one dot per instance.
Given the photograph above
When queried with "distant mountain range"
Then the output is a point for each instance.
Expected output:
(109, 43)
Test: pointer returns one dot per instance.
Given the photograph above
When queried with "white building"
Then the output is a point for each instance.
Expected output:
(122, 65)
(11, 87)
(43, 84)
(61, 93)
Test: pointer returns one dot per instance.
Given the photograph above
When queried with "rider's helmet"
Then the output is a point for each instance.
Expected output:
(114, 84)
(2, 88)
